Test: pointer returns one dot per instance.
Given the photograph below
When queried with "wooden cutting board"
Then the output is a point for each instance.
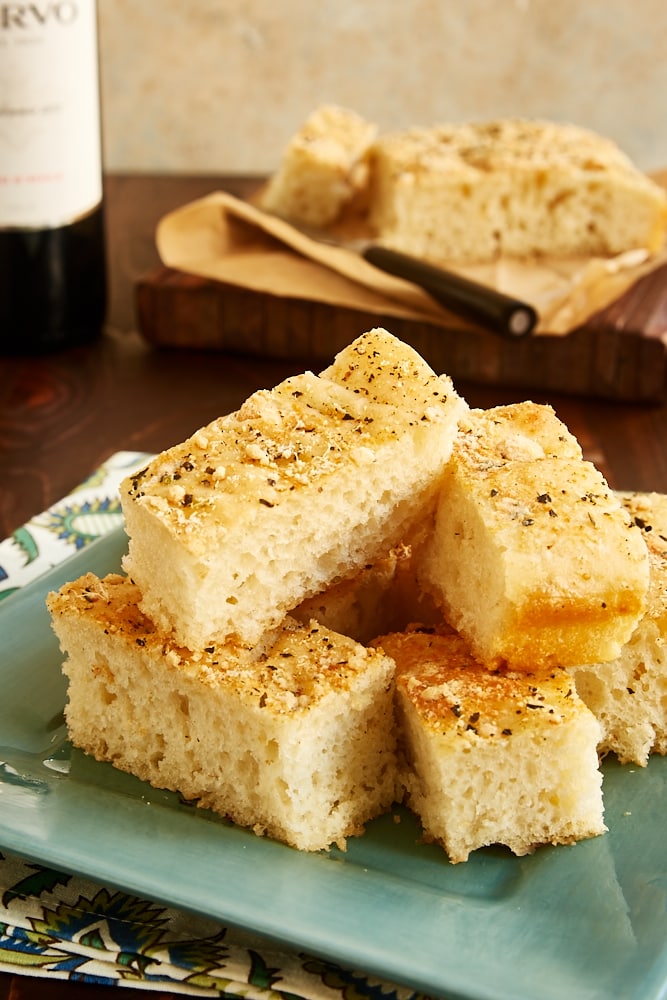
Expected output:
(619, 354)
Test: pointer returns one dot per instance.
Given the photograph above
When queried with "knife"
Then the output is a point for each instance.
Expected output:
(494, 310)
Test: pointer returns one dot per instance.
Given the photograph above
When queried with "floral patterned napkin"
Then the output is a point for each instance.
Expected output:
(65, 927)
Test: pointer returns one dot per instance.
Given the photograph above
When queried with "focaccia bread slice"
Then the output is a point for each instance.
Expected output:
(629, 695)
(383, 596)
(294, 740)
(533, 559)
(302, 486)
(323, 168)
(511, 187)
(359, 606)
(506, 757)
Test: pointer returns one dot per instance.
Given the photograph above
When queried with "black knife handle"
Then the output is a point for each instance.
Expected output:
(494, 310)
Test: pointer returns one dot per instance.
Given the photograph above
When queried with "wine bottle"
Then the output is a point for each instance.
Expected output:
(52, 235)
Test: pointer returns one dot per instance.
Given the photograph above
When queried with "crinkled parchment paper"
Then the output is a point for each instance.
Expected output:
(230, 240)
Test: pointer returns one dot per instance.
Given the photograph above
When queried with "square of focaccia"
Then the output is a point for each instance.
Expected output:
(629, 694)
(302, 486)
(293, 739)
(533, 558)
(504, 757)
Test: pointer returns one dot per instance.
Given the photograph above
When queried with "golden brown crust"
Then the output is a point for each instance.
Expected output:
(648, 512)
(453, 692)
(513, 187)
(299, 665)
(533, 558)
(492, 757)
(290, 439)
(506, 143)
(299, 488)
(518, 432)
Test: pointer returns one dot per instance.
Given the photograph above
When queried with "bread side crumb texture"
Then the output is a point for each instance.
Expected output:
(629, 694)
(511, 187)
(533, 559)
(385, 595)
(295, 740)
(299, 488)
(323, 168)
(506, 757)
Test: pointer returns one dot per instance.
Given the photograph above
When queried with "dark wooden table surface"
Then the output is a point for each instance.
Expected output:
(62, 415)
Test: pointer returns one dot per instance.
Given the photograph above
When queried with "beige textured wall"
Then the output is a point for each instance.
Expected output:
(208, 86)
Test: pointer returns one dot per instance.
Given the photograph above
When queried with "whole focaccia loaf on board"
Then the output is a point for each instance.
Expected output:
(471, 192)
(300, 487)
(514, 188)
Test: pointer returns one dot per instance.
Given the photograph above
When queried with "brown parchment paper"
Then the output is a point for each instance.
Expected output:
(230, 240)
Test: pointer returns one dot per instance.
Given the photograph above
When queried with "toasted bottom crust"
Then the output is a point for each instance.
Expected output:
(533, 559)
(552, 634)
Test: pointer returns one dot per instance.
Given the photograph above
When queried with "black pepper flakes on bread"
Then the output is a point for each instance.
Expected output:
(492, 757)
(533, 558)
(299, 488)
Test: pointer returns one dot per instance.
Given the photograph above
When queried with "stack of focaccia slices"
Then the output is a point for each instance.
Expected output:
(356, 591)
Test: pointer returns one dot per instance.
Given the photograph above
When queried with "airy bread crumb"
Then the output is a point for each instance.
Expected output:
(506, 757)
(629, 695)
(533, 559)
(301, 487)
(294, 740)
(511, 187)
(323, 168)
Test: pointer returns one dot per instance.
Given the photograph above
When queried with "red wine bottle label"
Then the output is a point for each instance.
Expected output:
(50, 150)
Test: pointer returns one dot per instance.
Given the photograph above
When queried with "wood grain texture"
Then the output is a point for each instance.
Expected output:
(619, 354)
(61, 417)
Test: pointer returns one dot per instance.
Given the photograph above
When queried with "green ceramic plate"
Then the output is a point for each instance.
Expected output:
(585, 922)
